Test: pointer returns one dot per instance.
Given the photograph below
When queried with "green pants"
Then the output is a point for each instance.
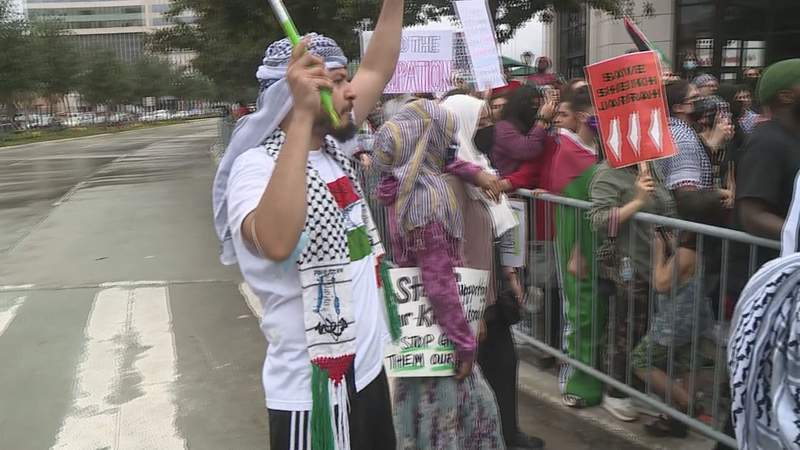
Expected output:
(585, 313)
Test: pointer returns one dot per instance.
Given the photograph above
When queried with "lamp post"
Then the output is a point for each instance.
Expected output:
(527, 58)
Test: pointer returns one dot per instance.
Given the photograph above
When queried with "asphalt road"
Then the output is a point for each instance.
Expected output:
(119, 329)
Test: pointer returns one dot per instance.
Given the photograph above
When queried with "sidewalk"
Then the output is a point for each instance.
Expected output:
(540, 387)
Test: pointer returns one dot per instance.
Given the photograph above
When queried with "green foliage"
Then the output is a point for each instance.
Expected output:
(16, 63)
(195, 87)
(230, 36)
(151, 76)
(106, 80)
(57, 61)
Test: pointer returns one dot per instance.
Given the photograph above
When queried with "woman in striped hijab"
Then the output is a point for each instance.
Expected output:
(764, 349)
(414, 150)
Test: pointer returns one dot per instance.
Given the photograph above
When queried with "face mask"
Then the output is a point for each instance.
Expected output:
(690, 65)
(699, 107)
(593, 124)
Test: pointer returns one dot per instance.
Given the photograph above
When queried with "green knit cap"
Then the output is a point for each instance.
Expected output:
(778, 77)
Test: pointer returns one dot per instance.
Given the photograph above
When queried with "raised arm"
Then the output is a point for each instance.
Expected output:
(380, 60)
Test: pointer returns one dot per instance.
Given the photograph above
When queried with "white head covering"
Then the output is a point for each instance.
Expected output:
(273, 105)
(790, 237)
(467, 110)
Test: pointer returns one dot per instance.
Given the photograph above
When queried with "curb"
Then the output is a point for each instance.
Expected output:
(115, 133)
(541, 387)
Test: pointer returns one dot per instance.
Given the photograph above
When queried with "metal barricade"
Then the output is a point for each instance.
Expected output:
(725, 259)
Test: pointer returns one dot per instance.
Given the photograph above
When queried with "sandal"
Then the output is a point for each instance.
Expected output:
(667, 427)
(573, 401)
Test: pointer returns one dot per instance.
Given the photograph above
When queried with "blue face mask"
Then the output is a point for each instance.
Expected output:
(690, 65)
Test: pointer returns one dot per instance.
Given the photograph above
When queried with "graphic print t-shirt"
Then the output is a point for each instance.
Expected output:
(287, 369)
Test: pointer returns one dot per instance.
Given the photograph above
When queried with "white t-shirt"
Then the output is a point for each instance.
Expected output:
(287, 369)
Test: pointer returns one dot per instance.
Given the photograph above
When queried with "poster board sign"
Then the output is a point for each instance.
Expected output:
(423, 350)
(514, 243)
(425, 64)
(628, 96)
(481, 44)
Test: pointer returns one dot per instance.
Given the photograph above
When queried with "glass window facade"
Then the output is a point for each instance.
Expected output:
(102, 17)
(726, 36)
(126, 46)
(572, 43)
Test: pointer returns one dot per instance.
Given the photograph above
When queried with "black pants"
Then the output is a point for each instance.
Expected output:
(371, 425)
(497, 357)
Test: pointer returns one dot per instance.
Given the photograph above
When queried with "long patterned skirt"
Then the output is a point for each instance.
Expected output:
(438, 413)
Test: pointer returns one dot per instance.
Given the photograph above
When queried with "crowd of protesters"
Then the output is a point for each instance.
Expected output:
(296, 221)
(632, 314)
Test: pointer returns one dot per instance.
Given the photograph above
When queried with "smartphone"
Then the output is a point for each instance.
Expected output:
(724, 110)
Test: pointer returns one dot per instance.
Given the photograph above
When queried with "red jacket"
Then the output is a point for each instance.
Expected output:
(532, 174)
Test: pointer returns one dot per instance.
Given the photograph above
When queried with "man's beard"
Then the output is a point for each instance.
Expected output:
(344, 133)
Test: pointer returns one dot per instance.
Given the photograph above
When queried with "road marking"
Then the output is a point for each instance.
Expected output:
(113, 284)
(252, 300)
(92, 420)
(109, 284)
(148, 421)
(124, 388)
(16, 287)
(8, 314)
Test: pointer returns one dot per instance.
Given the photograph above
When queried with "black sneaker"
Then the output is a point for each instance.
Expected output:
(525, 442)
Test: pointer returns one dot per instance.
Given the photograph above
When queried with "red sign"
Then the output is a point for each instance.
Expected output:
(630, 104)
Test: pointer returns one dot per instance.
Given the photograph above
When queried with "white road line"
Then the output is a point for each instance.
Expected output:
(123, 395)
(113, 284)
(16, 287)
(251, 299)
(7, 315)
(92, 421)
(148, 420)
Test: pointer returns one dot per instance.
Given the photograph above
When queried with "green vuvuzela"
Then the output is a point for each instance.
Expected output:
(294, 37)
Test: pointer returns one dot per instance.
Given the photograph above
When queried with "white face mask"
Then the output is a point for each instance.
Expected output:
(690, 65)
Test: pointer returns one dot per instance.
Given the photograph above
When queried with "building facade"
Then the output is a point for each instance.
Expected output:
(723, 36)
(116, 25)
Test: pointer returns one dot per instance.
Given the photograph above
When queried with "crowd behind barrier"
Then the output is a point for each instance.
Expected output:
(541, 326)
(705, 354)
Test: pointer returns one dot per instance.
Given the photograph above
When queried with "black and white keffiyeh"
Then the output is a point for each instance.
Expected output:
(682, 169)
(764, 350)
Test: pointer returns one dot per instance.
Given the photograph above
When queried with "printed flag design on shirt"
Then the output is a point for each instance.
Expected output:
(351, 205)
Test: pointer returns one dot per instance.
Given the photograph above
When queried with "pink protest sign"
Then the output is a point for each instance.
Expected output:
(425, 64)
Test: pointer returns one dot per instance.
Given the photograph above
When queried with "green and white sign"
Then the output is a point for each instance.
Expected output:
(423, 350)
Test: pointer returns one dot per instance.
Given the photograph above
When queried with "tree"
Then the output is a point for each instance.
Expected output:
(106, 80)
(58, 64)
(229, 37)
(193, 86)
(151, 76)
(17, 66)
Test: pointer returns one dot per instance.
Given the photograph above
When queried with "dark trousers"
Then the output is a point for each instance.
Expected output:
(371, 425)
(497, 357)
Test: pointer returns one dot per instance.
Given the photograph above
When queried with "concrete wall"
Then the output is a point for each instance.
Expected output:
(607, 37)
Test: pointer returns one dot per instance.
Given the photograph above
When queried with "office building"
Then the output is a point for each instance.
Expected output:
(724, 36)
(117, 25)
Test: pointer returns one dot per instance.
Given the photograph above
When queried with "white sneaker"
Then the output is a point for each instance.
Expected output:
(621, 408)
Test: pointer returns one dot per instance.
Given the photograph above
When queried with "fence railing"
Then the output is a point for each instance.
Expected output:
(693, 359)
(682, 341)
